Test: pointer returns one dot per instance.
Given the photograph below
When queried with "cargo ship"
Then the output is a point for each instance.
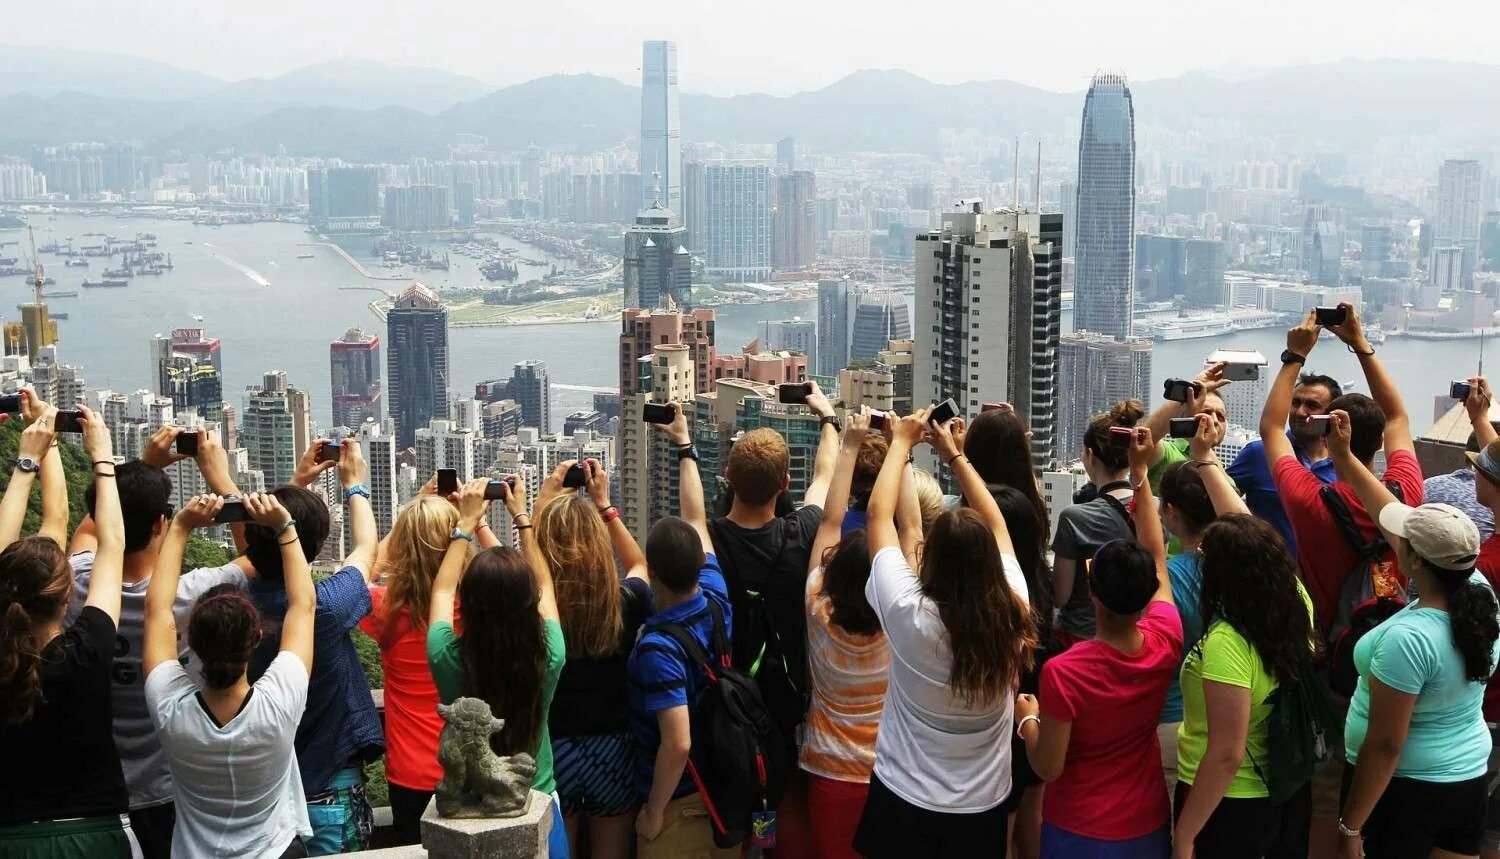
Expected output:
(105, 283)
(120, 273)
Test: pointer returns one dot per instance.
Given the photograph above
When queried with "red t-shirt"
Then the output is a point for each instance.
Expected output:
(1112, 787)
(1323, 555)
(1489, 566)
(412, 723)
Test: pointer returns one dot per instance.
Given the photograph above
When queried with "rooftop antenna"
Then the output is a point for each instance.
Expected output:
(1015, 179)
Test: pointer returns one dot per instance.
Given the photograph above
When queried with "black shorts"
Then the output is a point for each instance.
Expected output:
(893, 827)
(1022, 776)
(1239, 828)
(1415, 817)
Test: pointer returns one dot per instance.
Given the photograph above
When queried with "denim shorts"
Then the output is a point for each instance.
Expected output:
(341, 817)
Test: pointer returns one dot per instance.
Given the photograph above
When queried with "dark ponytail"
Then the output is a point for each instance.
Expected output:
(35, 583)
(223, 630)
(1471, 616)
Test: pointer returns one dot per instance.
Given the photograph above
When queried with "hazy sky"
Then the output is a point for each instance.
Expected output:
(767, 45)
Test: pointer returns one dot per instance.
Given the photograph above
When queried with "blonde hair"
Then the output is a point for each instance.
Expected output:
(575, 542)
(415, 550)
(929, 497)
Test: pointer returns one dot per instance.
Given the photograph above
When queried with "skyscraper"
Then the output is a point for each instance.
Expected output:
(833, 326)
(791, 335)
(1203, 272)
(1104, 292)
(796, 220)
(378, 444)
(880, 316)
(694, 204)
(188, 367)
(530, 387)
(657, 266)
(343, 197)
(661, 131)
(416, 360)
(269, 429)
(786, 154)
(1460, 210)
(1069, 204)
(354, 361)
(1095, 372)
(737, 233)
(989, 306)
(417, 207)
(648, 465)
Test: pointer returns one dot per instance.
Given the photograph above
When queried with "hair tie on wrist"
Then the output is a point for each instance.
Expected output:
(290, 523)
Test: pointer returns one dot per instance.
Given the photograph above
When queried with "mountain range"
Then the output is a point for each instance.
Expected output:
(360, 109)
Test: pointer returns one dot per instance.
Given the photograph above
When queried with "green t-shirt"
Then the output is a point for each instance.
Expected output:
(1172, 450)
(448, 673)
(1224, 656)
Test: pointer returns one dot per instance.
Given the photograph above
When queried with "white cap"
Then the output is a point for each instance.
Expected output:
(1440, 533)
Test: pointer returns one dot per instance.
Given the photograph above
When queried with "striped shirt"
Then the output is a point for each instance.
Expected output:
(848, 673)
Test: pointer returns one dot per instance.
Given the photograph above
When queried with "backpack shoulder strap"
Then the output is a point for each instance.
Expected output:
(1121, 509)
(1343, 517)
(685, 640)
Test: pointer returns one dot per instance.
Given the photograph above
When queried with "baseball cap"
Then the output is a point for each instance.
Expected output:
(1440, 533)
(1487, 461)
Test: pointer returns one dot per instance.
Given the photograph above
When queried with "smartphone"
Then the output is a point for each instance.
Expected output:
(493, 491)
(989, 407)
(793, 392)
(68, 421)
(1242, 372)
(10, 404)
(658, 413)
(1121, 436)
(1322, 424)
(1183, 427)
(329, 450)
(945, 411)
(877, 421)
(187, 442)
(232, 511)
(447, 481)
(1331, 315)
(1176, 390)
(1459, 391)
(575, 477)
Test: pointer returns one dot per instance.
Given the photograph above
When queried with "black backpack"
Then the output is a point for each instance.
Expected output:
(1369, 594)
(1300, 734)
(739, 760)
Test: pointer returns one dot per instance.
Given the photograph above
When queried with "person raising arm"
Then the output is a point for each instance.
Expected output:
(1222, 493)
(54, 482)
(828, 448)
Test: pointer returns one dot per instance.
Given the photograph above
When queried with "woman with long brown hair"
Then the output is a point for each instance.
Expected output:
(579, 533)
(960, 633)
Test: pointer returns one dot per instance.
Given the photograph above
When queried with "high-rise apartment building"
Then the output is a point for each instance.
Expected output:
(880, 316)
(897, 359)
(1104, 290)
(989, 308)
(657, 265)
(642, 330)
(416, 360)
(796, 220)
(417, 207)
(648, 462)
(441, 444)
(340, 198)
(786, 154)
(529, 386)
(1460, 209)
(791, 335)
(1095, 371)
(661, 128)
(695, 204)
(354, 362)
(377, 441)
(270, 428)
(737, 233)
(833, 326)
(1203, 263)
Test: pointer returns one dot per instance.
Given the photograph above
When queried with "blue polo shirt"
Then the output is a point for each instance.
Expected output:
(1252, 474)
(662, 676)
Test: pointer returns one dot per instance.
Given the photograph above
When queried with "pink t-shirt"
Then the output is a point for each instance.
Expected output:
(1112, 787)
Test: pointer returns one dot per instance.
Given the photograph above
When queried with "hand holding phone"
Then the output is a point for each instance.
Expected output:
(1120, 436)
(1330, 316)
(1182, 427)
(1459, 391)
(494, 490)
(329, 450)
(10, 404)
(1321, 424)
(877, 421)
(187, 443)
(232, 511)
(793, 392)
(575, 477)
(1177, 390)
(658, 413)
(1241, 372)
(447, 481)
(68, 421)
(943, 412)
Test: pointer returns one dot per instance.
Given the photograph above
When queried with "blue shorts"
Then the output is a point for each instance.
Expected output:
(1059, 843)
(594, 774)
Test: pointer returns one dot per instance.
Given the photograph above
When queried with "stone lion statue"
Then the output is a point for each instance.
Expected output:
(476, 781)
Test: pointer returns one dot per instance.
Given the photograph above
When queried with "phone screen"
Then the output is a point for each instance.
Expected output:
(68, 421)
(447, 481)
(187, 443)
(10, 404)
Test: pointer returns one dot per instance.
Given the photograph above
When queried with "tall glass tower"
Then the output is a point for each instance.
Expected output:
(1104, 291)
(661, 131)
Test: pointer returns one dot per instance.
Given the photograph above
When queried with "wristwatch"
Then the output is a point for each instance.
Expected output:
(1290, 357)
(832, 420)
(459, 534)
(688, 451)
(28, 465)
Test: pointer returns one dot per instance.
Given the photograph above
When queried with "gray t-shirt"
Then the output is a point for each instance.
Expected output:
(1081, 530)
(141, 756)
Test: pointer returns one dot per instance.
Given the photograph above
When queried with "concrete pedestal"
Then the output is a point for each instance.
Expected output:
(523, 837)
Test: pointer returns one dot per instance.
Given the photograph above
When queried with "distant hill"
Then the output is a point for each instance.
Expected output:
(49, 71)
(359, 84)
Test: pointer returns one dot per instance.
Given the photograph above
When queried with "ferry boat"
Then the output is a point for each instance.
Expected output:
(106, 283)
(118, 273)
(61, 293)
(306, 256)
(1188, 327)
(76, 262)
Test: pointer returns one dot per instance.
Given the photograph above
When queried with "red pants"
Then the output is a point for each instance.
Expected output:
(835, 808)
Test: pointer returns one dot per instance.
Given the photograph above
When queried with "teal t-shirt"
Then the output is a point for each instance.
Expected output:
(1413, 652)
(1186, 574)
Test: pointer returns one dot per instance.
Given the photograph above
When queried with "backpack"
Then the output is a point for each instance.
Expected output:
(739, 761)
(1370, 592)
(1300, 734)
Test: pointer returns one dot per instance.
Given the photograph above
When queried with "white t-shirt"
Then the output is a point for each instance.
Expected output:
(238, 789)
(931, 750)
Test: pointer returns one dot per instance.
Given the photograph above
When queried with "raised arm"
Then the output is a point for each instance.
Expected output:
(301, 597)
(36, 441)
(1221, 489)
(909, 519)
(828, 450)
(976, 493)
(213, 464)
(632, 559)
(450, 571)
(1382, 387)
(836, 504)
(352, 472)
(308, 466)
(1209, 381)
(880, 512)
(1148, 530)
(1273, 416)
(471, 507)
(1373, 494)
(54, 482)
(689, 482)
(161, 595)
(1477, 404)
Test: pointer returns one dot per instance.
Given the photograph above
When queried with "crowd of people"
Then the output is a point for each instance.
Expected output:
(1284, 655)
